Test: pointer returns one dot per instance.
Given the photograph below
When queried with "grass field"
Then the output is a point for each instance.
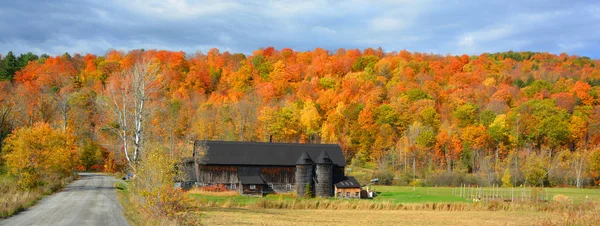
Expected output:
(399, 194)
(400, 206)
(244, 216)
(237, 199)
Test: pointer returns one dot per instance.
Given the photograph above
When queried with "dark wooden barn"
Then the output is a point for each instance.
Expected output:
(259, 168)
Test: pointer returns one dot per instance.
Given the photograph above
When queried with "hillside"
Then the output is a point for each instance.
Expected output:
(511, 117)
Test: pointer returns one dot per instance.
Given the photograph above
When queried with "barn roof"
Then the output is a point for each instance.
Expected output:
(259, 153)
(347, 182)
(251, 180)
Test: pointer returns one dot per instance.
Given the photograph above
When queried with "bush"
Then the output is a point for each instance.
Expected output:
(153, 183)
(215, 188)
(535, 169)
(456, 179)
(386, 177)
(506, 179)
(40, 154)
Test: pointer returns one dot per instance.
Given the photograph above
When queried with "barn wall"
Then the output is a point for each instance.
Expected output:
(218, 175)
(188, 171)
(338, 171)
(257, 191)
(284, 175)
(279, 179)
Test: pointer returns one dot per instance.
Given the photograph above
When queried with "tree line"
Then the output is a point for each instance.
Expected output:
(509, 118)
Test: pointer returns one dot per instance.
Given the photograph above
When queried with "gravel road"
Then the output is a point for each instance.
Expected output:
(91, 200)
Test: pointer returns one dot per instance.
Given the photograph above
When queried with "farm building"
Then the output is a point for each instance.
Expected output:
(347, 188)
(256, 168)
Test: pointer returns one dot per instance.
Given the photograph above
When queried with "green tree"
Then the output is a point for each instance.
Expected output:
(25, 58)
(90, 155)
(534, 169)
(10, 65)
(430, 118)
(364, 62)
(466, 114)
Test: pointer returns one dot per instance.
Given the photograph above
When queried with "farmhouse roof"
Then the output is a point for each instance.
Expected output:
(259, 153)
(251, 180)
(347, 182)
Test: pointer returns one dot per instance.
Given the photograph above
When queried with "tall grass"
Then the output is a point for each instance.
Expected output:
(136, 214)
(334, 204)
(14, 199)
(199, 191)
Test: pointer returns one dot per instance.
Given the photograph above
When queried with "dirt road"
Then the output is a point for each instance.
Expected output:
(91, 200)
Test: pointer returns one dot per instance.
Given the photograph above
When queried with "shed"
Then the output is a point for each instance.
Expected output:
(347, 187)
(251, 185)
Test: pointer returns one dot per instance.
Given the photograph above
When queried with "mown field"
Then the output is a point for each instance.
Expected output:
(400, 194)
(244, 216)
(397, 205)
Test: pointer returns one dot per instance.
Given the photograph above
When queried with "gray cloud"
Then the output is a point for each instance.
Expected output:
(444, 27)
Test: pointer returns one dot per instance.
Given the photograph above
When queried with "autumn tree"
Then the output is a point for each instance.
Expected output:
(127, 99)
(39, 154)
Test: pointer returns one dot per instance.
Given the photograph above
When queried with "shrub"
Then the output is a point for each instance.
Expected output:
(456, 179)
(153, 183)
(385, 177)
(506, 179)
(534, 169)
(415, 183)
(215, 188)
(37, 154)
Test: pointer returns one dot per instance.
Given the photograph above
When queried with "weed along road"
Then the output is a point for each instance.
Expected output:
(91, 200)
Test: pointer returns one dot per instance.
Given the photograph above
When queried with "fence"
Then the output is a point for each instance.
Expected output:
(511, 194)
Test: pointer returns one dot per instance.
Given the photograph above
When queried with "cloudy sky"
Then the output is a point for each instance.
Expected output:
(432, 26)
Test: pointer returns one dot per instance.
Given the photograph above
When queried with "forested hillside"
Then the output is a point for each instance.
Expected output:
(511, 118)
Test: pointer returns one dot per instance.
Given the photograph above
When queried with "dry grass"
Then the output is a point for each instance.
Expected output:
(14, 199)
(137, 215)
(199, 191)
(237, 216)
(338, 204)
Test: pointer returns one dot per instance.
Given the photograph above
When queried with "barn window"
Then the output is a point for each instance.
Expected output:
(356, 194)
(288, 186)
(252, 186)
(233, 186)
(339, 194)
(347, 194)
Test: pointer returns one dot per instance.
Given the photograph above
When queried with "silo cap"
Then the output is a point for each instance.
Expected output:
(324, 158)
(304, 159)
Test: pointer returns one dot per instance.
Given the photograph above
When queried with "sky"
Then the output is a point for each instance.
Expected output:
(430, 26)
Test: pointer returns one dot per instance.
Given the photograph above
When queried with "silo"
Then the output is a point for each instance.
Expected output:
(304, 175)
(324, 183)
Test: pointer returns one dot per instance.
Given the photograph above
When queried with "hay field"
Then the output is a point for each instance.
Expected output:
(245, 216)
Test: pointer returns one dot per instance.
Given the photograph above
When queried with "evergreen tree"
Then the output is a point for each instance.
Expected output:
(25, 58)
(10, 65)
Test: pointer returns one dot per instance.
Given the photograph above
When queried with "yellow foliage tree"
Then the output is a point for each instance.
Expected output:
(310, 118)
(153, 182)
(39, 154)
